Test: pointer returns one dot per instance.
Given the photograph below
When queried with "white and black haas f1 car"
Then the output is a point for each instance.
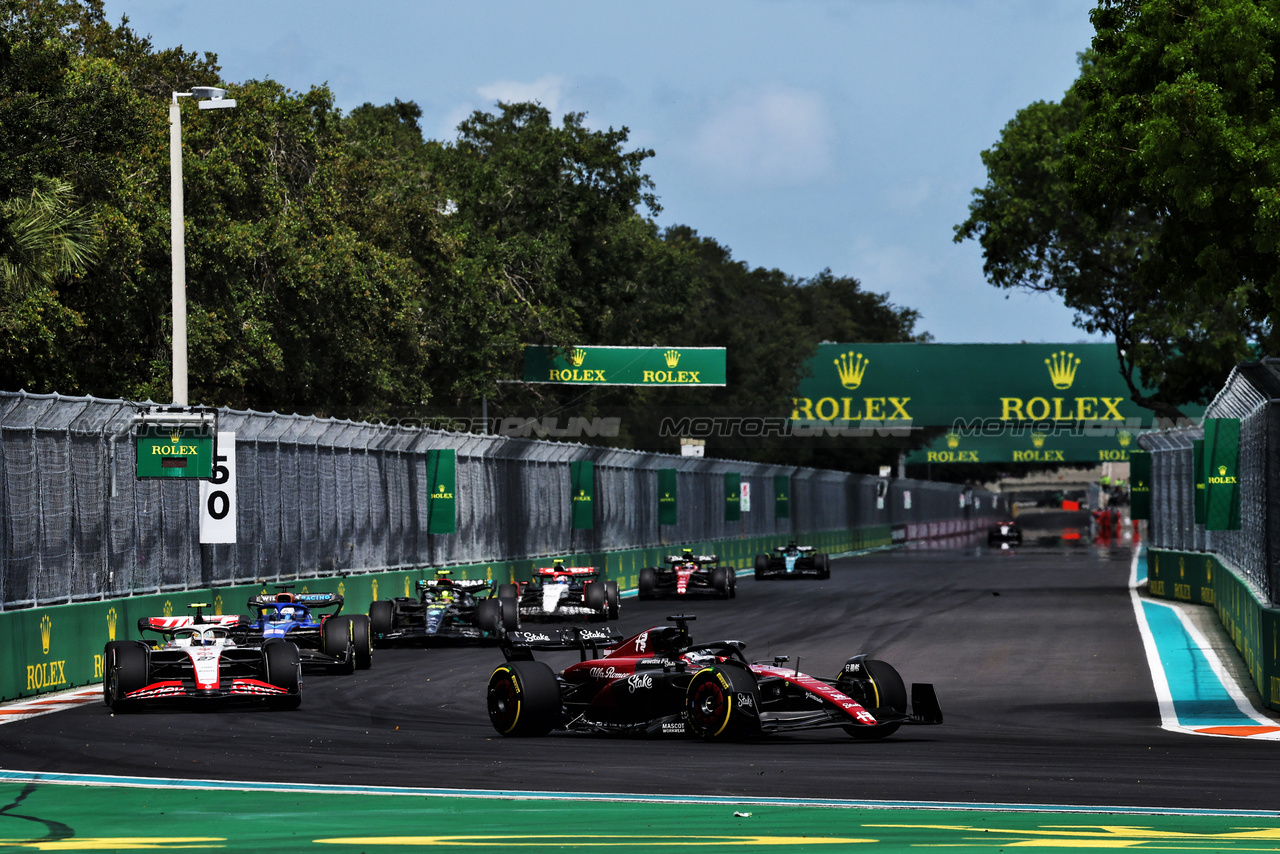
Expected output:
(686, 574)
(200, 659)
(558, 592)
(1007, 531)
(660, 682)
(446, 611)
(793, 561)
(327, 641)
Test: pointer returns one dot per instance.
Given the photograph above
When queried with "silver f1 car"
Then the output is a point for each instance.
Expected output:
(660, 682)
(200, 658)
(446, 611)
(793, 561)
(560, 591)
(687, 574)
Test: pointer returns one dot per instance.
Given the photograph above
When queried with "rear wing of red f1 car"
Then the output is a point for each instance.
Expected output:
(520, 645)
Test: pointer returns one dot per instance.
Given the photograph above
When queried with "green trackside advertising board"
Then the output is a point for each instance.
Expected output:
(1065, 442)
(938, 384)
(175, 451)
(781, 496)
(1197, 475)
(1140, 485)
(582, 478)
(1222, 474)
(648, 366)
(442, 504)
(732, 496)
(667, 513)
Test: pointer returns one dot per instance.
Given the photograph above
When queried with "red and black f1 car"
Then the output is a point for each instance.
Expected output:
(560, 591)
(688, 573)
(660, 682)
(200, 658)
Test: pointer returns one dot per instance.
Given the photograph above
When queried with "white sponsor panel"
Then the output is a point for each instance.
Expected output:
(744, 497)
(218, 495)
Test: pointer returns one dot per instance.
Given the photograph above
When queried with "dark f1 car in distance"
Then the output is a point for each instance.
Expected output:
(660, 682)
(688, 573)
(445, 611)
(1007, 531)
(793, 561)
(323, 640)
(200, 659)
(560, 591)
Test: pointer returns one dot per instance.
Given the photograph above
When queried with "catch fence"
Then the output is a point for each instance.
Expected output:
(318, 497)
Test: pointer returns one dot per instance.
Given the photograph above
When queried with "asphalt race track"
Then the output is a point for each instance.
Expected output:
(1034, 652)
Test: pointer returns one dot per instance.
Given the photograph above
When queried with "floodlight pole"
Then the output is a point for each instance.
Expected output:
(214, 100)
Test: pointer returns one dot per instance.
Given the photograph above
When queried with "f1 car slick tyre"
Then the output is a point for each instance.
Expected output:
(762, 566)
(125, 669)
(647, 584)
(594, 596)
(510, 614)
(338, 643)
(284, 670)
(722, 703)
(381, 617)
(612, 598)
(823, 563)
(722, 581)
(878, 687)
(509, 591)
(524, 699)
(362, 637)
(489, 616)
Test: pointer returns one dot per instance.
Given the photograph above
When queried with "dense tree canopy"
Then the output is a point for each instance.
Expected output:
(343, 264)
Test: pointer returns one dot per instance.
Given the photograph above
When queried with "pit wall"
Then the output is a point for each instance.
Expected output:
(60, 647)
(1202, 579)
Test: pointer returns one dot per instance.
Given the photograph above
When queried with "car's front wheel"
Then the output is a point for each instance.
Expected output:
(613, 599)
(284, 670)
(362, 639)
(762, 566)
(878, 687)
(381, 616)
(648, 583)
(126, 666)
(523, 699)
(338, 644)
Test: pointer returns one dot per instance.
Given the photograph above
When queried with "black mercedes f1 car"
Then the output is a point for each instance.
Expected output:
(446, 611)
(660, 682)
(793, 561)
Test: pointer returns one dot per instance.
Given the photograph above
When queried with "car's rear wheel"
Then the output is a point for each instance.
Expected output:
(126, 668)
(878, 687)
(762, 566)
(721, 582)
(362, 639)
(524, 699)
(823, 563)
(381, 616)
(338, 643)
(721, 703)
(593, 596)
(284, 670)
(613, 599)
(489, 616)
(648, 583)
(509, 591)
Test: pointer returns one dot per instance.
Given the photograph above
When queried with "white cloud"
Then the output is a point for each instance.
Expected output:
(772, 136)
(548, 91)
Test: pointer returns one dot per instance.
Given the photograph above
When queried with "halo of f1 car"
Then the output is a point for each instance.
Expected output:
(793, 561)
(325, 640)
(200, 659)
(445, 611)
(560, 591)
(687, 574)
(660, 682)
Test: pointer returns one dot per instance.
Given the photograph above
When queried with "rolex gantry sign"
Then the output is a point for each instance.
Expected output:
(176, 442)
(645, 366)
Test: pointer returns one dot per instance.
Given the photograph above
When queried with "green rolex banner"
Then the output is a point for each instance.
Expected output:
(582, 477)
(1139, 485)
(1197, 467)
(732, 496)
(667, 514)
(782, 496)
(442, 477)
(1222, 474)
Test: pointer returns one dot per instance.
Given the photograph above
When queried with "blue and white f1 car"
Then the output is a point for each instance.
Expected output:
(323, 640)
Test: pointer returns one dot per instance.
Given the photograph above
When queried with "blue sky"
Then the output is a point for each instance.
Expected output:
(802, 134)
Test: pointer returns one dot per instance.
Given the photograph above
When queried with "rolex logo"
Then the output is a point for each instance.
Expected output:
(175, 438)
(1125, 438)
(672, 357)
(408, 587)
(577, 356)
(1037, 440)
(112, 619)
(1062, 368)
(46, 633)
(217, 604)
(953, 441)
(1222, 471)
(342, 589)
(168, 607)
(375, 589)
(852, 368)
